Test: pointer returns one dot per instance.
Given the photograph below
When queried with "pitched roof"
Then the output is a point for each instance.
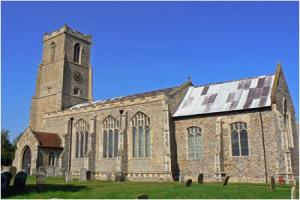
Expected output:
(133, 96)
(48, 139)
(227, 96)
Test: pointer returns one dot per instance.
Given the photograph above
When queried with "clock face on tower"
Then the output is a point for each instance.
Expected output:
(77, 76)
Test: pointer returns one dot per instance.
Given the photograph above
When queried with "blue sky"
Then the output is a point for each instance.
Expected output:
(141, 46)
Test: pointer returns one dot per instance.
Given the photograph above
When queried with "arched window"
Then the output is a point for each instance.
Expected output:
(82, 138)
(51, 159)
(141, 135)
(110, 137)
(239, 139)
(195, 150)
(76, 53)
(52, 51)
(287, 121)
(26, 160)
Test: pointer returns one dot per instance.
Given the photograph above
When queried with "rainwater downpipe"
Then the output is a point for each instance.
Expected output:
(264, 148)
(70, 143)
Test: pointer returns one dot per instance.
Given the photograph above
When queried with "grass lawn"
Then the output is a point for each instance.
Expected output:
(56, 187)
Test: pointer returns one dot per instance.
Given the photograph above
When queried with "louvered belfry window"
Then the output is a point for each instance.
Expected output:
(141, 138)
(195, 144)
(76, 53)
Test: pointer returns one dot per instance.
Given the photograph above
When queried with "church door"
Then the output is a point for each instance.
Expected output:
(26, 162)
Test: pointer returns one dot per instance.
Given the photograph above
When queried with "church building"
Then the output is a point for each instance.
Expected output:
(244, 129)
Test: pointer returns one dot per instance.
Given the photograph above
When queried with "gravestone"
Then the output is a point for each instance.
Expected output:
(143, 196)
(63, 171)
(34, 171)
(50, 171)
(20, 180)
(188, 183)
(108, 176)
(42, 169)
(123, 177)
(118, 176)
(83, 174)
(68, 177)
(57, 171)
(294, 192)
(4, 184)
(226, 180)
(88, 175)
(272, 184)
(40, 178)
(181, 178)
(200, 179)
(9, 176)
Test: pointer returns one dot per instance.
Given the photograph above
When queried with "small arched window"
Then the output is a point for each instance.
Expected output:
(51, 159)
(141, 135)
(287, 121)
(52, 51)
(195, 149)
(110, 137)
(76, 53)
(82, 138)
(239, 139)
(76, 91)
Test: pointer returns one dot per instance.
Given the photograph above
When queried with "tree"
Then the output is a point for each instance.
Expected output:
(16, 140)
(7, 149)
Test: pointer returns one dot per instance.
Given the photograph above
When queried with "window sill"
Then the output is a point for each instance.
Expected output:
(199, 159)
(141, 158)
(246, 156)
(109, 158)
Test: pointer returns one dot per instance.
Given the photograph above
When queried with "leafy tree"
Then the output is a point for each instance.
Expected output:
(7, 148)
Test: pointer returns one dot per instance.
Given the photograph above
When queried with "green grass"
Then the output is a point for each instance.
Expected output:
(56, 187)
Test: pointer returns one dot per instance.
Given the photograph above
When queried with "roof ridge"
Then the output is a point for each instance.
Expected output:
(221, 82)
(135, 95)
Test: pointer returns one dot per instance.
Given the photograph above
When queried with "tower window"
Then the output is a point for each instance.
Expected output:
(52, 51)
(77, 52)
(76, 91)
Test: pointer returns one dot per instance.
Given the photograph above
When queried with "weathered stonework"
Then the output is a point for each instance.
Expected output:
(57, 110)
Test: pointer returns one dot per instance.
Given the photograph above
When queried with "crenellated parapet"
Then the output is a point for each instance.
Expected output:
(66, 29)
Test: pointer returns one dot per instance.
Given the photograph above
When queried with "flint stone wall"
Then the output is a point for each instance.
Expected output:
(239, 168)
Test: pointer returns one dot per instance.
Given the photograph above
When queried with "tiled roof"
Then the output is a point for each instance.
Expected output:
(48, 139)
(133, 96)
(228, 96)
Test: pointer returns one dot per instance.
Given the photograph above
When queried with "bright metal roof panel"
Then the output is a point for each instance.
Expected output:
(228, 96)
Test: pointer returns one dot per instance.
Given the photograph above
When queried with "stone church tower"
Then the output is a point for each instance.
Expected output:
(64, 76)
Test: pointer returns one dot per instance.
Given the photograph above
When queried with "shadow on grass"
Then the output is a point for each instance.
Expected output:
(32, 188)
